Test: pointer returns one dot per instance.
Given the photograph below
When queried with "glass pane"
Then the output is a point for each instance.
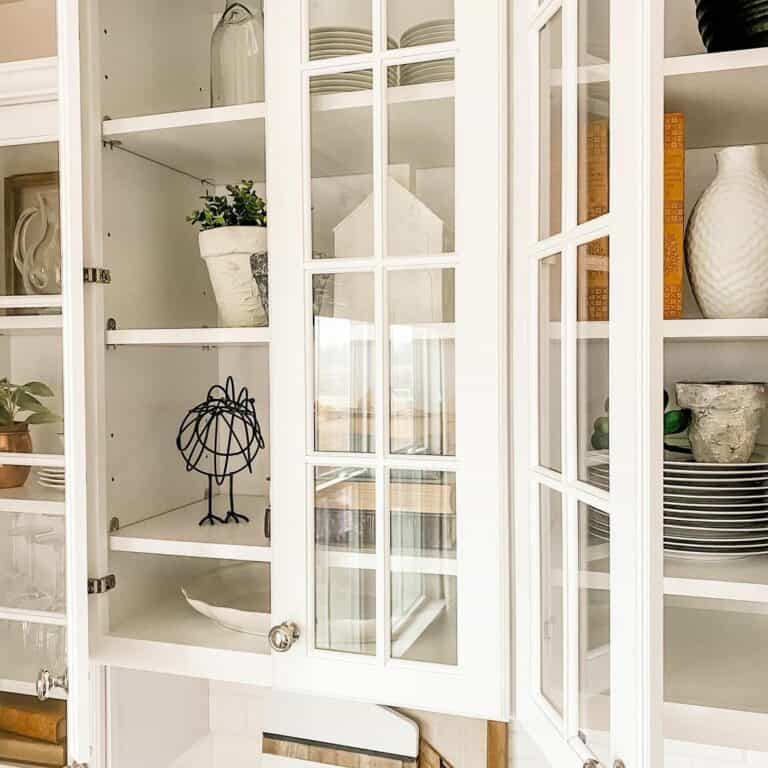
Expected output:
(345, 560)
(342, 165)
(421, 195)
(340, 29)
(594, 633)
(423, 602)
(592, 362)
(26, 649)
(32, 575)
(551, 574)
(422, 23)
(422, 362)
(551, 127)
(594, 108)
(344, 362)
(550, 362)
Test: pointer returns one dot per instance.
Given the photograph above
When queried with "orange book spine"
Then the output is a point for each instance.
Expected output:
(674, 214)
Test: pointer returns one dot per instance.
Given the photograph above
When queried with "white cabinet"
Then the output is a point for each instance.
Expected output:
(377, 508)
(645, 634)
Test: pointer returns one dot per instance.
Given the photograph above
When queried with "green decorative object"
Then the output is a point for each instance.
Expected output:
(675, 422)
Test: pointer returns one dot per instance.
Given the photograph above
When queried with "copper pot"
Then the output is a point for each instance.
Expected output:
(14, 438)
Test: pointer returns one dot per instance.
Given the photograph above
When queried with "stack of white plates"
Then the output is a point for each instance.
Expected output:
(51, 477)
(711, 511)
(331, 42)
(428, 33)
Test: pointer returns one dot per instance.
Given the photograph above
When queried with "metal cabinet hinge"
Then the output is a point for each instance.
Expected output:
(97, 275)
(102, 585)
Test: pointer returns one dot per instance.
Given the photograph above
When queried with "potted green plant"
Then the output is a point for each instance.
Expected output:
(20, 407)
(233, 244)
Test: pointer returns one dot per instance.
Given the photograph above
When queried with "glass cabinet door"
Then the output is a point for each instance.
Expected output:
(44, 689)
(584, 503)
(387, 462)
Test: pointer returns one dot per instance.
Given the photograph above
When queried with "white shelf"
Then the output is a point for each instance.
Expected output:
(680, 330)
(178, 533)
(32, 499)
(188, 336)
(713, 330)
(45, 301)
(17, 615)
(732, 580)
(32, 460)
(34, 325)
(368, 561)
(172, 638)
(722, 96)
(222, 143)
(226, 144)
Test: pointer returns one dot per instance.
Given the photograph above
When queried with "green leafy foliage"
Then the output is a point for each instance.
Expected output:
(19, 399)
(240, 207)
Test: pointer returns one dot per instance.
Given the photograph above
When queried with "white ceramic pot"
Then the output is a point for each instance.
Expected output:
(727, 239)
(725, 418)
(230, 253)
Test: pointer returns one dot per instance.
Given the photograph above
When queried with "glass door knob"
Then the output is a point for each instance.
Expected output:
(283, 636)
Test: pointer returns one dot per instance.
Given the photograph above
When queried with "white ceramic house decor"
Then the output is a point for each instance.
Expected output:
(231, 255)
(727, 239)
(414, 228)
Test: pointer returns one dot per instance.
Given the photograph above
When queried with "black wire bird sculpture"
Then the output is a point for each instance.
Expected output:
(220, 438)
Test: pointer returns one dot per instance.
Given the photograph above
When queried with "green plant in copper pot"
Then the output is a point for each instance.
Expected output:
(20, 406)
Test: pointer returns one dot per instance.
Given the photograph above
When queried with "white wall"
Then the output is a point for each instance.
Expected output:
(27, 29)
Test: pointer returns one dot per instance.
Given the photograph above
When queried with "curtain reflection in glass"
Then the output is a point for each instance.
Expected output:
(344, 362)
(345, 547)
(422, 362)
(423, 590)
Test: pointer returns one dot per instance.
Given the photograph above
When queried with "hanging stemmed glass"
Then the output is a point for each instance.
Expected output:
(55, 539)
(31, 595)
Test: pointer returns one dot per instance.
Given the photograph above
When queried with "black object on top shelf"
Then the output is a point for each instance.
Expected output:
(730, 25)
(220, 438)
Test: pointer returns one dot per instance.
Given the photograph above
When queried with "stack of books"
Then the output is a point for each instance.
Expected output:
(32, 731)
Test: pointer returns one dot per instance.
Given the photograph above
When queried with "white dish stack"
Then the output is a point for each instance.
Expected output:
(428, 33)
(51, 477)
(332, 42)
(711, 511)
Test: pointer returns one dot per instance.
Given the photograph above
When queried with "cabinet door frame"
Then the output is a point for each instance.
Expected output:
(479, 685)
(635, 225)
(73, 344)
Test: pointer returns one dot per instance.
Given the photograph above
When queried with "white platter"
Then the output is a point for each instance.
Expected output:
(230, 597)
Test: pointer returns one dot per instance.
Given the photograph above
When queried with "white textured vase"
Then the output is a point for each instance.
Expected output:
(726, 242)
(230, 254)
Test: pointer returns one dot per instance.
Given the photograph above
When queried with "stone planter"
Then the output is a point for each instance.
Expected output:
(725, 419)
(236, 257)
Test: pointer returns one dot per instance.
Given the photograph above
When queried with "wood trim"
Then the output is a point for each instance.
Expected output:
(497, 744)
(331, 754)
(429, 757)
